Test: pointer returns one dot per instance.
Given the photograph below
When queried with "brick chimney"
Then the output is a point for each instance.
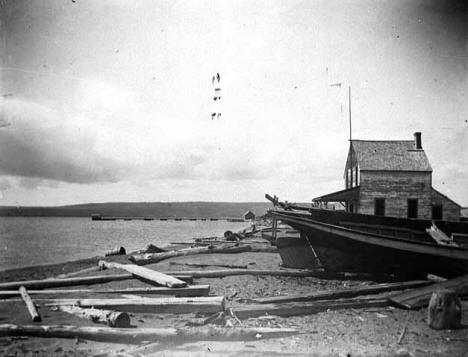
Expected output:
(417, 140)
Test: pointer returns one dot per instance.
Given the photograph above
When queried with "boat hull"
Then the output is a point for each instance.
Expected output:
(343, 249)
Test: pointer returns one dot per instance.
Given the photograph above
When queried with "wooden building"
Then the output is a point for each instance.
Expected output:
(392, 178)
(248, 216)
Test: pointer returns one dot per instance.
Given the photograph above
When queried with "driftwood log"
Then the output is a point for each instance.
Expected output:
(137, 335)
(29, 304)
(343, 293)
(208, 304)
(107, 317)
(191, 290)
(150, 258)
(149, 275)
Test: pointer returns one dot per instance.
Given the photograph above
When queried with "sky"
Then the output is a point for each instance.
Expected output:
(112, 100)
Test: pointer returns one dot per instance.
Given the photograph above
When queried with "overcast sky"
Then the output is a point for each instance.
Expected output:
(112, 100)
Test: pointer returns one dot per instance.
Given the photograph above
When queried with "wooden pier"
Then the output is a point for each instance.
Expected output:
(98, 217)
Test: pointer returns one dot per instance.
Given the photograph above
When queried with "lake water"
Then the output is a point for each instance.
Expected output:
(26, 241)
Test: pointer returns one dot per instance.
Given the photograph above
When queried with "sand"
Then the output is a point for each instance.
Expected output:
(351, 332)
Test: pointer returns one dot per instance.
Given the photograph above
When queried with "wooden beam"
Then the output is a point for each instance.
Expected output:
(137, 335)
(343, 293)
(295, 309)
(191, 290)
(418, 298)
(146, 274)
(107, 317)
(208, 304)
(29, 304)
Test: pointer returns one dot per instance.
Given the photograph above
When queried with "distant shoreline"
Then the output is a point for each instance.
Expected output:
(140, 209)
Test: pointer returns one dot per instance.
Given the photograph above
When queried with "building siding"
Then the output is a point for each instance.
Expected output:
(451, 211)
(396, 187)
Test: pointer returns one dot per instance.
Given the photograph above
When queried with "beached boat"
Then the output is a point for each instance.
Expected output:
(346, 241)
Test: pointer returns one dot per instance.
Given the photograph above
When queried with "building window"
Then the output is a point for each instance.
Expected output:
(379, 206)
(437, 212)
(412, 208)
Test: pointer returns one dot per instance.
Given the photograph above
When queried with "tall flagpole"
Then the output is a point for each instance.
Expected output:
(349, 102)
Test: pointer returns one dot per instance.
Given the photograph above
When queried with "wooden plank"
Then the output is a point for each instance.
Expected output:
(208, 304)
(295, 309)
(190, 290)
(29, 304)
(343, 293)
(107, 317)
(85, 280)
(146, 274)
(418, 298)
(138, 335)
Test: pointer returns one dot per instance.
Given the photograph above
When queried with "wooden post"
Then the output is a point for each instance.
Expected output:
(29, 304)
(107, 317)
(147, 274)
(444, 311)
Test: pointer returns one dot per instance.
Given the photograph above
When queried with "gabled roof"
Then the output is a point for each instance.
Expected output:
(398, 155)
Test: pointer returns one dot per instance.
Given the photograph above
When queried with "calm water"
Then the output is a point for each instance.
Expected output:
(26, 241)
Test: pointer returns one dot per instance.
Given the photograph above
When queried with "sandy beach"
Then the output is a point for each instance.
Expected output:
(346, 332)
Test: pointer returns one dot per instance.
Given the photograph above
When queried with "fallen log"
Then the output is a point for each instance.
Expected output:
(146, 274)
(418, 298)
(85, 280)
(191, 290)
(343, 293)
(208, 304)
(137, 335)
(29, 304)
(150, 258)
(107, 317)
(295, 309)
